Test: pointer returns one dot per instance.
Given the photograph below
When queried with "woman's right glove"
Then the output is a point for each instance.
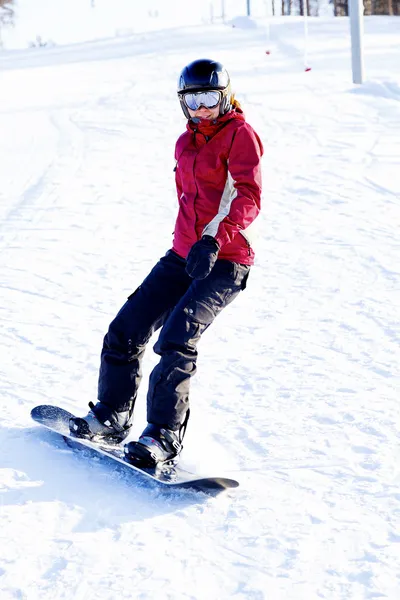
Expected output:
(202, 257)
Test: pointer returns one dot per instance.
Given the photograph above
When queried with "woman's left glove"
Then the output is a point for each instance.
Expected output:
(202, 257)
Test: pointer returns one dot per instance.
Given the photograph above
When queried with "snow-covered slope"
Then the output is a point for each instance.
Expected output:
(297, 389)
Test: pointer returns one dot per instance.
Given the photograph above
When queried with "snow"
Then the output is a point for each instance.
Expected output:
(296, 394)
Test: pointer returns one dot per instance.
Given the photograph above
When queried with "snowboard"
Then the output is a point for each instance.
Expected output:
(169, 475)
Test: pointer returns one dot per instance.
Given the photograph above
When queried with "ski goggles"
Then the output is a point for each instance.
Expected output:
(209, 99)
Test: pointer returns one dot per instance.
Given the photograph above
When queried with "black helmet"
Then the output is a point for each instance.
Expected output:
(205, 74)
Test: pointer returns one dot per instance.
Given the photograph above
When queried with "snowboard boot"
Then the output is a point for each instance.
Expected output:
(102, 423)
(156, 446)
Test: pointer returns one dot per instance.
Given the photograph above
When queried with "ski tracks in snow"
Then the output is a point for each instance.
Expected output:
(320, 315)
(296, 392)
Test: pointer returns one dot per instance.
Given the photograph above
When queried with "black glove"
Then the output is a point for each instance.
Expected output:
(202, 257)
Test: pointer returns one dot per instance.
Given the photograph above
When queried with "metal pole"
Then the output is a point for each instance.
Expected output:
(248, 8)
(356, 8)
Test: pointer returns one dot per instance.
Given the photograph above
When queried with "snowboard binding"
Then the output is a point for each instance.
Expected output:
(156, 446)
(101, 424)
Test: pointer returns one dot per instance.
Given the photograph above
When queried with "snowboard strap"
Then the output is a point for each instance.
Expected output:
(183, 427)
(109, 421)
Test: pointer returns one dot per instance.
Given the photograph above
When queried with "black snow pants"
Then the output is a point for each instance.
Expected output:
(184, 308)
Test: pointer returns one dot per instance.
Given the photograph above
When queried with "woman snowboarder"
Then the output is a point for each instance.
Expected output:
(218, 182)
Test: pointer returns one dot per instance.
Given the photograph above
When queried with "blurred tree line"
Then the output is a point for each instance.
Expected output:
(371, 7)
(279, 7)
(340, 7)
(6, 15)
(6, 12)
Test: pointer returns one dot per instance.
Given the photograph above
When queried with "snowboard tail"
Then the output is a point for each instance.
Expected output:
(168, 474)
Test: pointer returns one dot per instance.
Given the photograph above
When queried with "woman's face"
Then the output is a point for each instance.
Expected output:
(205, 113)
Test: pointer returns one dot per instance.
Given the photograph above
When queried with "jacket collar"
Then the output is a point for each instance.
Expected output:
(210, 128)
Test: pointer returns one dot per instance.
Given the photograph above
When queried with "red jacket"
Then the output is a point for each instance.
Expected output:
(218, 182)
